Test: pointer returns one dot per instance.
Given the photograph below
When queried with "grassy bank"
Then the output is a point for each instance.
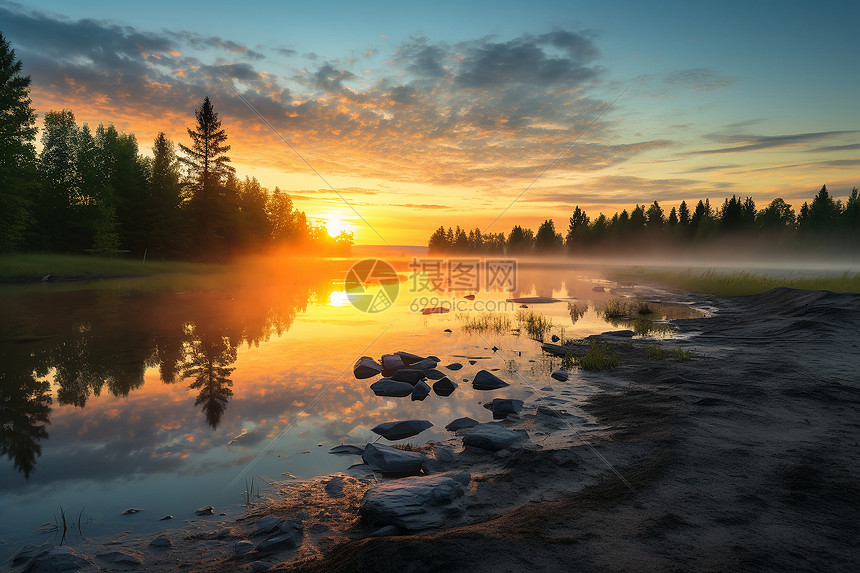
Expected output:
(737, 283)
(33, 266)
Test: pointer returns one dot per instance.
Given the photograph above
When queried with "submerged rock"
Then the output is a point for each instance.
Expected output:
(389, 387)
(561, 375)
(487, 381)
(618, 333)
(366, 367)
(410, 375)
(48, 558)
(501, 407)
(166, 517)
(206, 510)
(420, 391)
(390, 460)
(401, 429)
(493, 436)
(417, 503)
(444, 386)
(454, 366)
(347, 449)
(460, 423)
(131, 511)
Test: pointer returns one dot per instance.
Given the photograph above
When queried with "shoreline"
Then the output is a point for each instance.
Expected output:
(716, 481)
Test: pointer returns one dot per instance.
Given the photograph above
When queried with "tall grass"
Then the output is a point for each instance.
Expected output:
(599, 357)
(534, 323)
(496, 323)
(739, 283)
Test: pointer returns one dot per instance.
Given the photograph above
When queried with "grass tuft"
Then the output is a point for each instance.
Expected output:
(534, 323)
(656, 352)
(487, 322)
(599, 357)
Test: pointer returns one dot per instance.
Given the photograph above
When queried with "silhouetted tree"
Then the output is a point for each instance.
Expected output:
(166, 235)
(654, 217)
(546, 239)
(520, 240)
(17, 150)
(684, 215)
(822, 215)
(778, 216)
(438, 242)
(576, 229)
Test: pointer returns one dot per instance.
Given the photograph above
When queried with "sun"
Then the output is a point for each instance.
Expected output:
(335, 226)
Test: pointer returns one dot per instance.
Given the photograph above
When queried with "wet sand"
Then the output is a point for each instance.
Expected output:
(744, 458)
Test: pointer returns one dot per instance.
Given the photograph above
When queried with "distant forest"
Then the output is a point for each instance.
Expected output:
(823, 223)
(92, 190)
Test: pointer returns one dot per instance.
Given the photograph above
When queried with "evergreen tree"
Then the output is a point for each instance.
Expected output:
(778, 216)
(438, 242)
(165, 232)
(638, 220)
(673, 218)
(59, 185)
(17, 150)
(654, 217)
(823, 213)
(546, 239)
(684, 215)
(520, 240)
(576, 229)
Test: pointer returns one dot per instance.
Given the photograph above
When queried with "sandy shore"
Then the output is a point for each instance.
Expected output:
(744, 458)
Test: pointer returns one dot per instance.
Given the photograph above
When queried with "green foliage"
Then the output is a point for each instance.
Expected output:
(656, 352)
(497, 323)
(568, 361)
(534, 323)
(599, 357)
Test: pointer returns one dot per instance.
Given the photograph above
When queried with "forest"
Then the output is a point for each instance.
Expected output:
(92, 190)
(824, 223)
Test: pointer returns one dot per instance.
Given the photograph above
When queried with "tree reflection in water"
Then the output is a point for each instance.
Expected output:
(96, 338)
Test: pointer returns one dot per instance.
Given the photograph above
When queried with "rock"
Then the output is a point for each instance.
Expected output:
(409, 358)
(288, 535)
(598, 289)
(434, 374)
(460, 423)
(417, 503)
(473, 362)
(266, 525)
(547, 411)
(243, 546)
(561, 375)
(487, 381)
(366, 367)
(434, 359)
(386, 531)
(121, 559)
(492, 436)
(454, 366)
(166, 517)
(388, 460)
(260, 565)
(410, 375)
(435, 310)
(420, 391)
(389, 387)
(391, 363)
(401, 429)
(334, 487)
(162, 541)
(443, 453)
(555, 338)
(444, 386)
(49, 559)
(618, 333)
(501, 407)
(131, 511)
(347, 449)
(547, 389)
(207, 510)
(425, 364)
(447, 330)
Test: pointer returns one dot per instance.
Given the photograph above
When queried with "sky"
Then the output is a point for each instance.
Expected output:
(389, 119)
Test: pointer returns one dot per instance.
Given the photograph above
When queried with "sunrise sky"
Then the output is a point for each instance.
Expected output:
(446, 112)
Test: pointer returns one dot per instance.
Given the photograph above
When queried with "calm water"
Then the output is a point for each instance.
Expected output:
(166, 394)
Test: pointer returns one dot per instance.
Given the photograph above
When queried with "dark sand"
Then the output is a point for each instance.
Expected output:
(746, 458)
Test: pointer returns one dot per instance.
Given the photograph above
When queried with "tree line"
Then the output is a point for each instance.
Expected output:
(823, 222)
(91, 190)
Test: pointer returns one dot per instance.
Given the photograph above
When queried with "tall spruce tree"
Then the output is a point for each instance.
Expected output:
(17, 149)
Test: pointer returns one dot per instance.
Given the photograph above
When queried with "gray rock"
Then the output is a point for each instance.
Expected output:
(266, 525)
(547, 411)
(390, 460)
(121, 559)
(487, 381)
(618, 333)
(389, 387)
(289, 535)
(409, 358)
(417, 503)
(434, 358)
(555, 338)
(166, 517)
(131, 511)
(443, 453)
(162, 541)
(243, 546)
(454, 366)
(334, 487)
(401, 429)
(207, 510)
(434, 374)
(391, 363)
(561, 375)
(260, 565)
(366, 367)
(460, 423)
(492, 436)
(444, 386)
(420, 391)
(347, 449)
(425, 364)
(49, 559)
(386, 531)
(410, 375)
(501, 407)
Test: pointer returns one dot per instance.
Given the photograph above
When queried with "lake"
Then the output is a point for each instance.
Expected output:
(166, 394)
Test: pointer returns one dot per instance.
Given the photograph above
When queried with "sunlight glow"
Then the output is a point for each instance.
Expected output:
(336, 226)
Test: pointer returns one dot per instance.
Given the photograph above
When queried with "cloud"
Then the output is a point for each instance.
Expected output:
(629, 189)
(744, 142)
(700, 79)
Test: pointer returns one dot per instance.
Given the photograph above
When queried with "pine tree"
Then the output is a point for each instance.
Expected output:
(17, 149)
